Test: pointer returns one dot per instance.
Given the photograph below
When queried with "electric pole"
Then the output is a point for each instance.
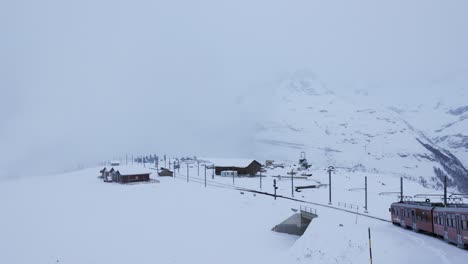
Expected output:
(445, 191)
(187, 172)
(365, 188)
(274, 187)
(370, 246)
(401, 189)
(330, 170)
(260, 179)
(292, 182)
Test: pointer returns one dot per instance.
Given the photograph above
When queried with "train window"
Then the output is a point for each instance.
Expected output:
(465, 225)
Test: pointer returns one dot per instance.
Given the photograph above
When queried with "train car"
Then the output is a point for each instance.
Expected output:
(414, 215)
(451, 223)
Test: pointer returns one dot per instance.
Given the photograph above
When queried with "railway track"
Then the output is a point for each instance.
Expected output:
(243, 189)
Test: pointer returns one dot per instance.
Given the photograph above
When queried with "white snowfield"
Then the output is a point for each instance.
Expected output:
(76, 218)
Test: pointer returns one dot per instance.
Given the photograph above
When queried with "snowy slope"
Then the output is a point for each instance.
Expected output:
(76, 218)
(352, 134)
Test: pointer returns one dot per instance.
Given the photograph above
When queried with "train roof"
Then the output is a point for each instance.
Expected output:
(453, 208)
(420, 205)
(437, 206)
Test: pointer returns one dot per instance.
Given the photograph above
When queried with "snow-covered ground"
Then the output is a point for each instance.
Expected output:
(77, 218)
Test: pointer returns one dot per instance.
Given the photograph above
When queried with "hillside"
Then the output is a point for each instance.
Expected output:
(357, 135)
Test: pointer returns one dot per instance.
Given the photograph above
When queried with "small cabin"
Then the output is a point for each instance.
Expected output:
(165, 173)
(242, 167)
(125, 175)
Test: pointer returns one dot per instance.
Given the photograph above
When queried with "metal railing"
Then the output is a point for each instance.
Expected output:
(305, 209)
(350, 206)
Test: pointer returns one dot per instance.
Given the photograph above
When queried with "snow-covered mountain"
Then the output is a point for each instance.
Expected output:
(358, 134)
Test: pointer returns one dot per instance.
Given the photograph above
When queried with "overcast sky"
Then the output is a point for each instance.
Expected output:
(91, 79)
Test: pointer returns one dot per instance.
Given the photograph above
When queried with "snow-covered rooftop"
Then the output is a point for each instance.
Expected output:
(131, 170)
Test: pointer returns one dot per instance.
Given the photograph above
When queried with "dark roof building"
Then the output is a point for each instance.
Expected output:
(243, 167)
(165, 173)
(125, 175)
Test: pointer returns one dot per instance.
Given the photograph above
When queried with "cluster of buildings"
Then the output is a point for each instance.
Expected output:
(226, 168)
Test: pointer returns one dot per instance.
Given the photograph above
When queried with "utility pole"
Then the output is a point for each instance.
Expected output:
(365, 188)
(330, 170)
(292, 182)
(370, 246)
(401, 189)
(126, 159)
(198, 165)
(213, 171)
(445, 191)
(274, 187)
(187, 172)
(132, 159)
(205, 175)
(260, 179)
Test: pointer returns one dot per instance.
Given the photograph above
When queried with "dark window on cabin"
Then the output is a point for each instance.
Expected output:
(465, 225)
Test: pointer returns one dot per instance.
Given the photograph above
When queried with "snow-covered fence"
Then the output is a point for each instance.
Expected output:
(350, 206)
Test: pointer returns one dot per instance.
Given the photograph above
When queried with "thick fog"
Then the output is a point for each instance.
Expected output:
(83, 81)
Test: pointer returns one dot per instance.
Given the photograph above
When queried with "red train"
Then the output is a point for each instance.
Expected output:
(448, 222)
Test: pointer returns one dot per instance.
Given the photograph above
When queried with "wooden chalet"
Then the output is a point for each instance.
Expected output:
(165, 173)
(125, 175)
(242, 167)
